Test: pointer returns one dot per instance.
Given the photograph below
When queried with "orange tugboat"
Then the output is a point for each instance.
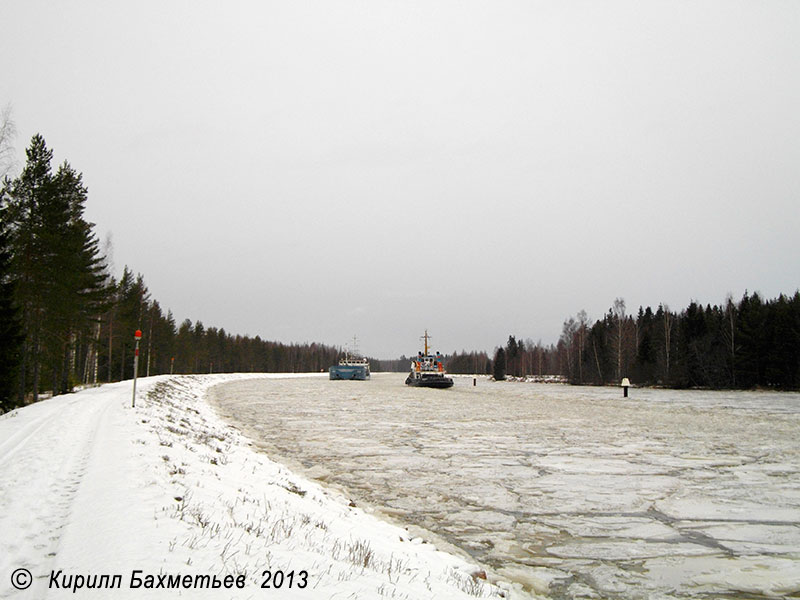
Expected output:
(427, 370)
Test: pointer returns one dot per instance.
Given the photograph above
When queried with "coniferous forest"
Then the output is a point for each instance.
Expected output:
(737, 345)
(752, 343)
(65, 320)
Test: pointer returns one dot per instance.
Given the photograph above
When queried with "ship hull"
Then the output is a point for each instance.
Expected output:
(349, 372)
(430, 381)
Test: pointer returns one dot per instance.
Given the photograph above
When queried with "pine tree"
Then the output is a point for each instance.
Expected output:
(58, 267)
(22, 199)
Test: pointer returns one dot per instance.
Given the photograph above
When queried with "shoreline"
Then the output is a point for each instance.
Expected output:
(170, 489)
(343, 494)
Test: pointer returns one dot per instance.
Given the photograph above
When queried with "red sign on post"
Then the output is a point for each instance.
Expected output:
(138, 336)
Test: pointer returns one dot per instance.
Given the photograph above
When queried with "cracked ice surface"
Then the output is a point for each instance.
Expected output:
(572, 491)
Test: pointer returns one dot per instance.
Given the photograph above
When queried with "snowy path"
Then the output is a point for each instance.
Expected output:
(91, 489)
(48, 457)
(51, 454)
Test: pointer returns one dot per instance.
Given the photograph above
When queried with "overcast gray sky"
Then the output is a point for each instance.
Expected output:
(307, 171)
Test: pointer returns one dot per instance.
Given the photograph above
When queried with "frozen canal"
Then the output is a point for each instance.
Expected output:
(577, 491)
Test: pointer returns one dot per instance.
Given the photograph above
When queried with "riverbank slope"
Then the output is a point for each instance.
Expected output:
(97, 494)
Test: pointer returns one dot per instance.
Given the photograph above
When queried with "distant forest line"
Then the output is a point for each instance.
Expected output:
(65, 320)
(737, 345)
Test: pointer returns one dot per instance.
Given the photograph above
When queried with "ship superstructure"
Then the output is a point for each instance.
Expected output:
(352, 366)
(427, 370)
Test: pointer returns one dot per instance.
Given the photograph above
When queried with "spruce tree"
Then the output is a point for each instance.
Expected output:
(499, 369)
(132, 300)
(11, 336)
(79, 294)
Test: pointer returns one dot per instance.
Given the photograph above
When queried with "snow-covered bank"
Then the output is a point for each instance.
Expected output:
(91, 489)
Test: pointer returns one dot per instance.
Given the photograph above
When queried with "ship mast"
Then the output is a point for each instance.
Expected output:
(425, 337)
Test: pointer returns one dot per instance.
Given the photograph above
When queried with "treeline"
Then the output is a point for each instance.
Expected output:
(745, 344)
(65, 320)
(517, 358)
(738, 345)
(186, 348)
(457, 363)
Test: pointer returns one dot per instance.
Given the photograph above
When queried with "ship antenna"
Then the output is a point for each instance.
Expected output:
(425, 337)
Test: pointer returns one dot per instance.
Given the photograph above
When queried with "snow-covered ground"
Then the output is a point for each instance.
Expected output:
(97, 494)
(575, 492)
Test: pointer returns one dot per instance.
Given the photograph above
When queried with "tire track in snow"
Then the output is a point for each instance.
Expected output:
(68, 432)
(18, 440)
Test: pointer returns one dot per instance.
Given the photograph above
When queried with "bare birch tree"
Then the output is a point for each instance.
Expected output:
(619, 331)
(8, 133)
(668, 322)
(583, 323)
(568, 334)
(730, 335)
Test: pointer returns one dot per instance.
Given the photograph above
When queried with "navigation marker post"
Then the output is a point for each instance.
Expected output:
(137, 336)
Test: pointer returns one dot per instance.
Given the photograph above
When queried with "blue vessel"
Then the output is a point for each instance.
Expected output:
(352, 367)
